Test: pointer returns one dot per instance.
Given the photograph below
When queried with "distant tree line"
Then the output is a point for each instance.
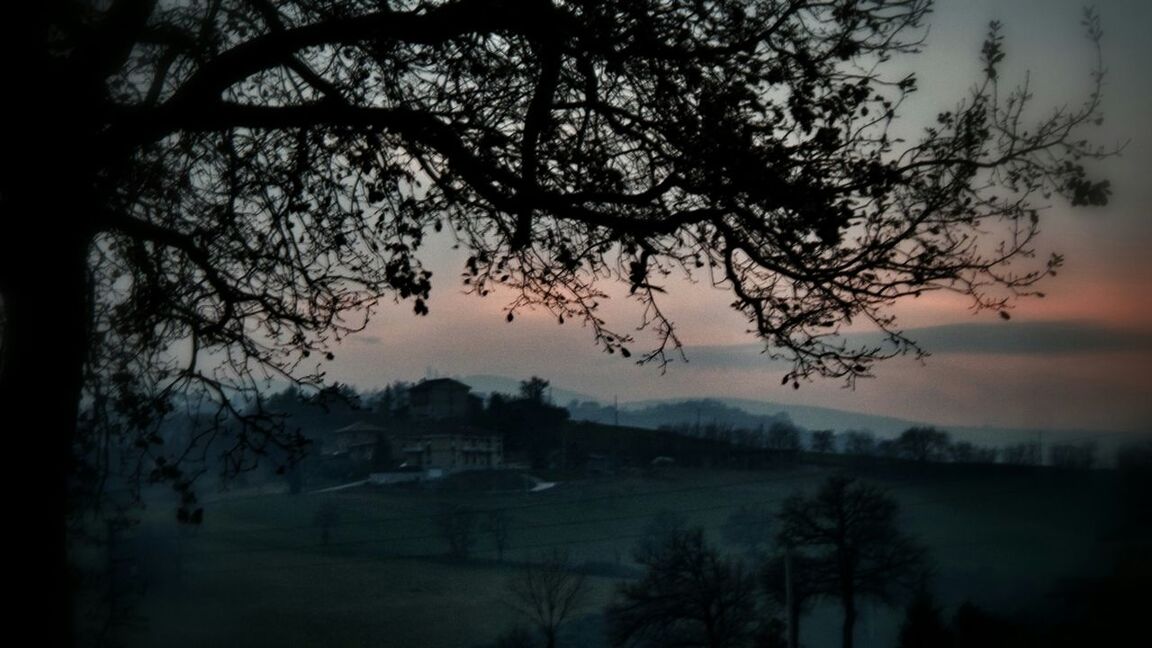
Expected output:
(927, 444)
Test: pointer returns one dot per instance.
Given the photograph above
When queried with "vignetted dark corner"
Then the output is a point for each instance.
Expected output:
(206, 202)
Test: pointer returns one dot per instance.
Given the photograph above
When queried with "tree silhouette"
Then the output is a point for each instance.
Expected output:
(824, 441)
(922, 444)
(498, 524)
(534, 389)
(229, 187)
(459, 526)
(858, 442)
(547, 593)
(326, 518)
(851, 529)
(690, 596)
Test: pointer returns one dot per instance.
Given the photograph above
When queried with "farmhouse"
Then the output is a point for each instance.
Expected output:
(454, 448)
(442, 399)
(439, 436)
(358, 441)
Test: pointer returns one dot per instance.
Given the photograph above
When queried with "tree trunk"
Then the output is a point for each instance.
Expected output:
(847, 631)
(45, 311)
(46, 218)
(794, 625)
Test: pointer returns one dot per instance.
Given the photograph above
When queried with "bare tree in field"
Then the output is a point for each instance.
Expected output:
(921, 443)
(459, 526)
(326, 518)
(824, 441)
(499, 525)
(852, 532)
(690, 596)
(547, 593)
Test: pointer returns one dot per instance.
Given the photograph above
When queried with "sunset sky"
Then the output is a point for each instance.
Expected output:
(1079, 358)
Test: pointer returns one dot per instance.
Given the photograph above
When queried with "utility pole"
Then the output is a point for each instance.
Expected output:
(790, 613)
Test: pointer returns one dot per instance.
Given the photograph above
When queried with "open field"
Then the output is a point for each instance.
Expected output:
(258, 573)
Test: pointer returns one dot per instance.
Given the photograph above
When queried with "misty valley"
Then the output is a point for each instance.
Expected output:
(426, 514)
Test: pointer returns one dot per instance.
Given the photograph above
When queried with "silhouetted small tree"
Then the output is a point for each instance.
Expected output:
(1075, 456)
(859, 442)
(783, 436)
(824, 441)
(499, 525)
(547, 593)
(534, 389)
(851, 530)
(923, 444)
(1021, 454)
(962, 452)
(326, 518)
(459, 527)
(690, 595)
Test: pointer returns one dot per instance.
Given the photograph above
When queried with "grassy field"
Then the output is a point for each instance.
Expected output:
(258, 574)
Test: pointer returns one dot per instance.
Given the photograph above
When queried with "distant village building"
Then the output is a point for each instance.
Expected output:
(451, 451)
(442, 399)
(439, 439)
(358, 441)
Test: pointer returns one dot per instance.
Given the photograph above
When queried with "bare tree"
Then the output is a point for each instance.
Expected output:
(922, 444)
(859, 442)
(499, 525)
(824, 441)
(690, 596)
(852, 531)
(1079, 456)
(783, 436)
(325, 519)
(547, 593)
(1021, 454)
(459, 527)
(534, 389)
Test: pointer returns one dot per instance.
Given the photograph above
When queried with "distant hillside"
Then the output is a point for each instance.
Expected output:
(751, 414)
(655, 414)
(824, 418)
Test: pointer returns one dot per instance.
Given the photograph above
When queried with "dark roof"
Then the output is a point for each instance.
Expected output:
(440, 383)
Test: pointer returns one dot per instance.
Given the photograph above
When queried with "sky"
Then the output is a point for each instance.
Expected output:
(1077, 359)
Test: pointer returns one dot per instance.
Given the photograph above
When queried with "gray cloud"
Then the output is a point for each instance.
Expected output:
(1021, 338)
(1046, 338)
